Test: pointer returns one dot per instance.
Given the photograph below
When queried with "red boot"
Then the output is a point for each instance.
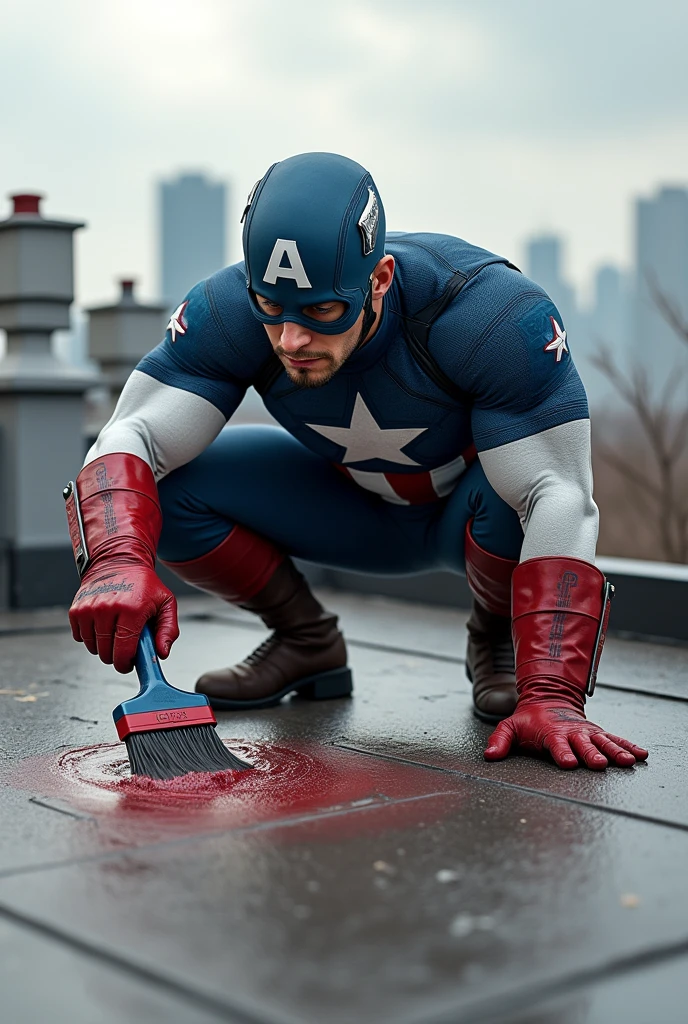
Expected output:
(305, 653)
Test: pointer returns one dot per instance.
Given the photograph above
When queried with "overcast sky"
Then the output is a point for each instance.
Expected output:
(491, 120)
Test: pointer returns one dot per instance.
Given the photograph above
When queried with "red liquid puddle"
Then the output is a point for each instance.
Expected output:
(106, 767)
(283, 783)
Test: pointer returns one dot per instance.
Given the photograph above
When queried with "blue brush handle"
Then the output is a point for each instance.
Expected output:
(146, 663)
(155, 694)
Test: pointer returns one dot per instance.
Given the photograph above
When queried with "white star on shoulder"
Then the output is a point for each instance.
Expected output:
(364, 439)
(558, 342)
(178, 324)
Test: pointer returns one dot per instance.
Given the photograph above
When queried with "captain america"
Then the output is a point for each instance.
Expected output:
(430, 416)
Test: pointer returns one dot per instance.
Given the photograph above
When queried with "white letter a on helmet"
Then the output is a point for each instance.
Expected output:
(294, 270)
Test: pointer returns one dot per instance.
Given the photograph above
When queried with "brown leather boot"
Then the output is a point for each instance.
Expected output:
(490, 664)
(306, 652)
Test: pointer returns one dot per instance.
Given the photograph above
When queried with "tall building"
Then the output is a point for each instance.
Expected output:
(661, 262)
(610, 316)
(605, 324)
(544, 265)
(192, 233)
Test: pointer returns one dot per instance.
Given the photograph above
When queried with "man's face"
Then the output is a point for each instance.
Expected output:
(309, 358)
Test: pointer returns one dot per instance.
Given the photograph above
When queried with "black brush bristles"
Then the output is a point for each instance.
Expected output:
(169, 753)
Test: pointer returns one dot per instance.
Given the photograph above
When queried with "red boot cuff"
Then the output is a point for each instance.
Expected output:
(236, 569)
(489, 576)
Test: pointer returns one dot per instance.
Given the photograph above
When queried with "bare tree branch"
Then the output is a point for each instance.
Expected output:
(680, 440)
(630, 472)
(661, 494)
(668, 308)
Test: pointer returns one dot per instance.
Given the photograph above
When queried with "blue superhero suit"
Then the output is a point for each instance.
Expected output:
(376, 470)
(456, 436)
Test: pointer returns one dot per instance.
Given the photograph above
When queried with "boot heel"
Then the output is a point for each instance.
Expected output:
(327, 685)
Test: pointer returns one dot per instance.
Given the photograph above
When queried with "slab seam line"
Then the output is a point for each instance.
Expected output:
(60, 810)
(412, 652)
(369, 645)
(494, 1008)
(545, 794)
(199, 998)
(261, 826)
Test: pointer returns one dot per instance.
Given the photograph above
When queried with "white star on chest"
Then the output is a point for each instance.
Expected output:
(558, 342)
(178, 324)
(364, 439)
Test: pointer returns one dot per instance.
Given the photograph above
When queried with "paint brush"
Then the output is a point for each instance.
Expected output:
(169, 732)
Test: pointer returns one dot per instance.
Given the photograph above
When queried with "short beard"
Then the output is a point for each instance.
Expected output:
(305, 378)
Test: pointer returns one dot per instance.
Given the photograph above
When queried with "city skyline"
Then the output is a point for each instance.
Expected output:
(518, 119)
(583, 287)
(622, 315)
(149, 283)
(612, 308)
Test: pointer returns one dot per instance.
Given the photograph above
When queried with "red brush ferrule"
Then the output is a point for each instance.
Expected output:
(147, 721)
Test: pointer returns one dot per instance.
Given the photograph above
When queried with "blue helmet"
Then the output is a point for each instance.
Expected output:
(314, 231)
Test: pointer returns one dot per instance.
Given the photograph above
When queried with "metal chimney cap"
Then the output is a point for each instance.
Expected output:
(26, 214)
(27, 202)
(128, 300)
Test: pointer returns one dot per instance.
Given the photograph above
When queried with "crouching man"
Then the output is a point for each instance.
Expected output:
(431, 417)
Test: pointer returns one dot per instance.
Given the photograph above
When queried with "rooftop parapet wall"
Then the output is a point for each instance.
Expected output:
(651, 599)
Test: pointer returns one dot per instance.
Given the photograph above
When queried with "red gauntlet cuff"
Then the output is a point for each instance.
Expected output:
(113, 509)
(560, 616)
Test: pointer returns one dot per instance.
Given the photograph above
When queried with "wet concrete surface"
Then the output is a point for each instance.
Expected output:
(636, 996)
(418, 709)
(46, 979)
(372, 867)
(376, 622)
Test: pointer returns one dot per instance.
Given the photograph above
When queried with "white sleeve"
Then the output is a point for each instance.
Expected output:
(163, 425)
(547, 479)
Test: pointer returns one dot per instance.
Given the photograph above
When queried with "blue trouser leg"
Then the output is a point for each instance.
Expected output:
(495, 527)
(267, 481)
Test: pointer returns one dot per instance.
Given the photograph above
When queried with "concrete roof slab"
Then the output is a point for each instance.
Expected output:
(395, 912)
(378, 869)
(44, 980)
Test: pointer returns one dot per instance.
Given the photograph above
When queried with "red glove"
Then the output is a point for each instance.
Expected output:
(115, 525)
(559, 621)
